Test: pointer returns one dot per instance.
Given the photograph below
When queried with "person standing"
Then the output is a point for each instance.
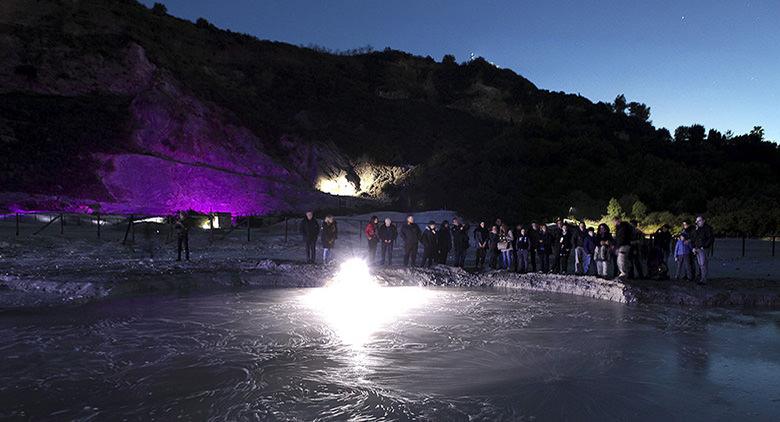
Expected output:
(443, 242)
(533, 237)
(703, 239)
(555, 234)
(481, 238)
(410, 234)
(387, 235)
(603, 251)
(430, 243)
(624, 235)
(578, 242)
(505, 241)
(330, 233)
(635, 253)
(682, 257)
(310, 231)
(564, 248)
(590, 248)
(662, 241)
(544, 248)
(372, 237)
(460, 242)
(523, 244)
(493, 252)
(181, 226)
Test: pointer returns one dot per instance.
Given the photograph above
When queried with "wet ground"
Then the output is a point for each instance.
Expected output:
(395, 353)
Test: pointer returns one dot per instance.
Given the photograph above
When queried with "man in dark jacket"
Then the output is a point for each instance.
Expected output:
(636, 252)
(703, 239)
(565, 242)
(387, 235)
(182, 235)
(443, 242)
(493, 252)
(430, 243)
(555, 233)
(624, 235)
(578, 242)
(460, 242)
(522, 246)
(310, 230)
(533, 237)
(481, 234)
(410, 234)
(544, 248)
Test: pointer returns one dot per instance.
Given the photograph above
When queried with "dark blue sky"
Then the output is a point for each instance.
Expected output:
(713, 62)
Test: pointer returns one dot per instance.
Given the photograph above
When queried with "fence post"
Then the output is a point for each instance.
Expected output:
(285, 230)
(211, 227)
(17, 224)
(98, 224)
(248, 229)
(773, 246)
(62, 223)
(743, 245)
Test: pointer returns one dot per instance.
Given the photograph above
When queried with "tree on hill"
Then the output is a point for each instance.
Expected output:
(639, 110)
(159, 9)
(639, 210)
(619, 105)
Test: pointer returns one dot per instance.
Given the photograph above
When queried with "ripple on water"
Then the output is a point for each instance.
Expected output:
(458, 355)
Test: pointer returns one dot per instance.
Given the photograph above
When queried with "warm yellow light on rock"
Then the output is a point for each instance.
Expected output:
(337, 186)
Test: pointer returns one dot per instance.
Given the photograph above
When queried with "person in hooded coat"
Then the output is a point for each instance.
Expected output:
(443, 242)
(430, 241)
(373, 238)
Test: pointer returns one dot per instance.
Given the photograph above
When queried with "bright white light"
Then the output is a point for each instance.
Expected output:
(356, 306)
(338, 186)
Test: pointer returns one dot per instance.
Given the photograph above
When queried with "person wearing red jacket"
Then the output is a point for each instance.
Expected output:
(373, 238)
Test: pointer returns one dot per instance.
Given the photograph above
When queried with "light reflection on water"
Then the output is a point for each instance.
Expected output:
(442, 354)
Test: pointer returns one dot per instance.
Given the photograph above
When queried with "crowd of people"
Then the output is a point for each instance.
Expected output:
(626, 253)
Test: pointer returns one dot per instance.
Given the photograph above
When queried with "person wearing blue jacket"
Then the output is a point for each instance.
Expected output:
(589, 244)
(682, 256)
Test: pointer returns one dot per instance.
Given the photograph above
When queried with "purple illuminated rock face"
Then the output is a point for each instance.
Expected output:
(182, 153)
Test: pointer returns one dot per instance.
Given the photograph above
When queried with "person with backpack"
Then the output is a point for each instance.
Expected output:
(387, 235)
(330, 233)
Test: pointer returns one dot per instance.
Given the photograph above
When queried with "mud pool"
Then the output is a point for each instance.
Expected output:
(407, 353)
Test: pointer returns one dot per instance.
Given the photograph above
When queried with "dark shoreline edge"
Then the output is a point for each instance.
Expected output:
(23, 293)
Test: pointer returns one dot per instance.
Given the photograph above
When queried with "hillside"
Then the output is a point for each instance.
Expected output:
(111, 103)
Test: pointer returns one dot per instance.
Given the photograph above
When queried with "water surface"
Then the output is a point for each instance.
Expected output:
(411, 353)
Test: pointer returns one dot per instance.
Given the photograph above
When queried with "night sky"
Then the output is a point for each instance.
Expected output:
(712, 62)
